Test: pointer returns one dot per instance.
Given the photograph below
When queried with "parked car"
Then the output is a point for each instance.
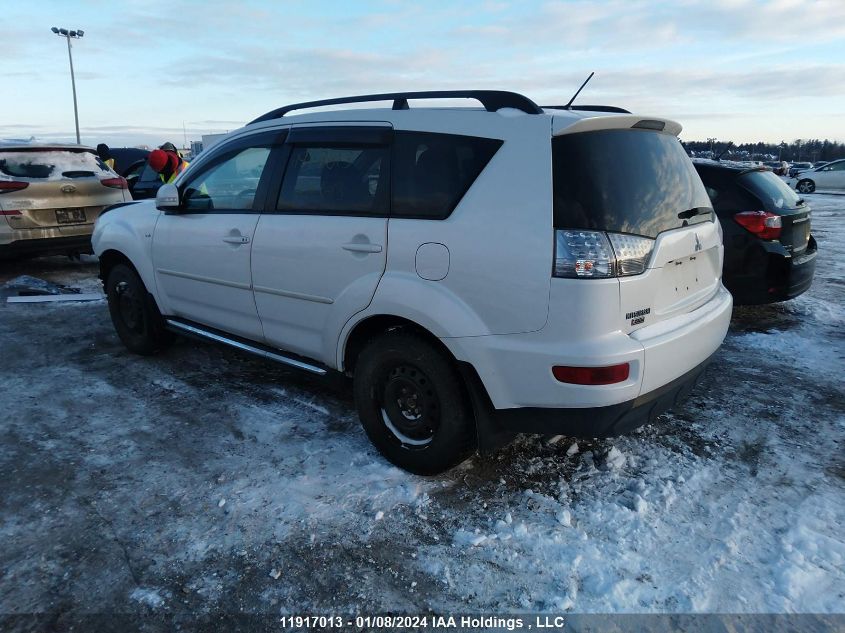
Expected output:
(830, 176)
(126, 157)
(143, 181)
(776, 166)
(476, 272)
(50, 197)
(770, 254)
(797, 168)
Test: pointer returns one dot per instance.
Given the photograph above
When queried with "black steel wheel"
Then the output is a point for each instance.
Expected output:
(134, 313)
(413, 404)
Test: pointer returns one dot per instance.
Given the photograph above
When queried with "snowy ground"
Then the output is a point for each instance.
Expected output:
(207, 481)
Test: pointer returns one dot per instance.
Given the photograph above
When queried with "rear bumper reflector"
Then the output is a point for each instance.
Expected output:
(592, 375)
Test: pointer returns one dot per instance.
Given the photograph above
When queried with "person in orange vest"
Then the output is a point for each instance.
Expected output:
(167, 162)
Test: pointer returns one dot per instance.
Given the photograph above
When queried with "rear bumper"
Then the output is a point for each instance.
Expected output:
(607, 421)
(782, 277)
(665, 359)
(46, 246)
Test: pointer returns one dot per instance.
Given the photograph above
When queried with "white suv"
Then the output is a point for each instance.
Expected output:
(478, 272)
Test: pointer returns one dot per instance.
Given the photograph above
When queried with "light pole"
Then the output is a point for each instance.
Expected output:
(68, 35)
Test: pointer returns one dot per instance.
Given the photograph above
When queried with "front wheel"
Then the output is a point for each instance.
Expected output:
(806, 186)
(412, 403)
(134, 313)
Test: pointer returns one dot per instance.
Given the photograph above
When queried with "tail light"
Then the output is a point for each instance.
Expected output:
(592, 375)
(10, 212)
(12, 185)
(596, 254)
(763, 224)
(115, 183)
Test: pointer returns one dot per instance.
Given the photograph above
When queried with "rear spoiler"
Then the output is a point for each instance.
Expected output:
(563, 125)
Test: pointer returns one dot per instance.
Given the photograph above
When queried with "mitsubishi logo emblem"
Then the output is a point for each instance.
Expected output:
(697, 243)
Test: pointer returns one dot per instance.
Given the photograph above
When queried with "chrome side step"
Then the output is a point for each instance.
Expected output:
(246, 347)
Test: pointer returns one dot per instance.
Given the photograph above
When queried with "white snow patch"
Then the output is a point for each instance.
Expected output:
(151, 597)
(564, 517)
(615, 459)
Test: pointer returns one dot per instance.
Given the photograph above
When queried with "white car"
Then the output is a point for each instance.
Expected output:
(829, 176)
(478, 272)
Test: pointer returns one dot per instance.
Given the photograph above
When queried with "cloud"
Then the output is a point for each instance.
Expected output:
(143, 69)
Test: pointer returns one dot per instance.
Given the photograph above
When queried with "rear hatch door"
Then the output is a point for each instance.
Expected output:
(639, 187)
(64, 187)
(778, 198)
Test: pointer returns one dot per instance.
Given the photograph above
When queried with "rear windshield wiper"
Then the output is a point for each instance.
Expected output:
(689, 213)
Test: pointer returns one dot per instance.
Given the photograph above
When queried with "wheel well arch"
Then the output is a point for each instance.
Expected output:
(373, 326)
(488, 433)
(109, 259)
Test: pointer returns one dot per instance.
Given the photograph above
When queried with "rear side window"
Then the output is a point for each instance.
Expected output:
(432, 172)
(336, 180)
(770, 189)
(52, 165)
(626, 181)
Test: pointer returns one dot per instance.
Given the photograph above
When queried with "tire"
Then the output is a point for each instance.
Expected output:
(806, 186)
(134, 313)
(412, 403)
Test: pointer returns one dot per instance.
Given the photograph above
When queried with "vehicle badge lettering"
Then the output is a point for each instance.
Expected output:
(638, 316)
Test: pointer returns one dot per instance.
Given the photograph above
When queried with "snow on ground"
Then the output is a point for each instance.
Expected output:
(203, 480)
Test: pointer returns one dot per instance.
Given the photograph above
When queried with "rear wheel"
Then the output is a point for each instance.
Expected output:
(412, 403)
(134, 313)
(806, 186)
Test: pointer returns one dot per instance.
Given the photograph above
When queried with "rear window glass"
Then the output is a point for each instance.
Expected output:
(627, 181)
(770, 189)
(336, 180)
(51, 165)
(432, 172)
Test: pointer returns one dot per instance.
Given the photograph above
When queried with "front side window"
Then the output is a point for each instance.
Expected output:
(230, 182)
(336, 180)
(432, 172)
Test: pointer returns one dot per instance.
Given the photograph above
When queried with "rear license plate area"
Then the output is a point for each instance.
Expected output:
(685, 277)
(70, 216)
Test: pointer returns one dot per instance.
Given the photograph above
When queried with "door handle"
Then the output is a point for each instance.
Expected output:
(358, 247)
(236, 239)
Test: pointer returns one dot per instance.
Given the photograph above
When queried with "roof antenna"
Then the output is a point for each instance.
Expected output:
(568, 106)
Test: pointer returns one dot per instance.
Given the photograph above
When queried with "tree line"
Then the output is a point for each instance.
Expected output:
(809, 150)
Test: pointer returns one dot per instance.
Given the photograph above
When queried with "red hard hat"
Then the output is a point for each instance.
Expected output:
(157, 159)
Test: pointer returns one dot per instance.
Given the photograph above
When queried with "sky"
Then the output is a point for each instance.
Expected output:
(151, 71)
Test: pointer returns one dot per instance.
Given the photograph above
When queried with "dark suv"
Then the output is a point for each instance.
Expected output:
(770, 254)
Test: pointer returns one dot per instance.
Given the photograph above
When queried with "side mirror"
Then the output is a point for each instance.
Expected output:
(167, 198)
